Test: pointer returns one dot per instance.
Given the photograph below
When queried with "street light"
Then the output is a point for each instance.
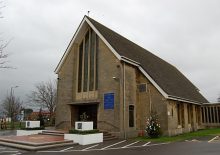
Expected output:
(12, 89)
(11, 93)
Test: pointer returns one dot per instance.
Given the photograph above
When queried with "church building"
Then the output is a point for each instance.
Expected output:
(118, 84)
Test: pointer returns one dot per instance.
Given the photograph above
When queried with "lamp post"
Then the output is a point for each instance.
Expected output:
(11, 102)
(12, 89)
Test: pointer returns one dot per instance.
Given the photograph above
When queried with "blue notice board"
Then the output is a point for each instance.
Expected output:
(109, 100)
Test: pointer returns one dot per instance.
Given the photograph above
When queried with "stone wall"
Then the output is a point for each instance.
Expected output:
(186, 125)
(108, 67)
(150, 101)
(66, 81)
(130, 99)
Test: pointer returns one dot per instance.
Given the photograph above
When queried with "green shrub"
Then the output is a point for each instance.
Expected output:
(83, 132)
(37, 128)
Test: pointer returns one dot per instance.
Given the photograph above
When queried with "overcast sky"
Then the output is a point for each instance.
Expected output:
(184, 33)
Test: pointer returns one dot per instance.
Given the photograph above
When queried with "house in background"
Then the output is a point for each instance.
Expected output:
(118, 84)
(35, 115)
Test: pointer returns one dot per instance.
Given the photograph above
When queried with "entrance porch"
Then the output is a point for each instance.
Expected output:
(84, 111)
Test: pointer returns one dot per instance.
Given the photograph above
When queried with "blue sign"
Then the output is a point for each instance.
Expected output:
(109, 100)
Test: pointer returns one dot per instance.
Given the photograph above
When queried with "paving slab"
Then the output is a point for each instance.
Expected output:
(33, 139)
(35, 142)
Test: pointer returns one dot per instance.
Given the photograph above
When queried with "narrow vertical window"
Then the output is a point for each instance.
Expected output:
(209, 114)
(199, 116)
(179, 114)
(218, 114)
(86, 52)
(182, 115)
(203, 120)
(196, 114)
(131, 116)
(88, 62)
(206, 115)
(189, 113)
(96, 64)
(212, 114)
(80, 67)
(92, 55)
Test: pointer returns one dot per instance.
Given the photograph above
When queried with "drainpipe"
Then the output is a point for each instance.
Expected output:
(57, 96)
(124, 105)
(150, 99)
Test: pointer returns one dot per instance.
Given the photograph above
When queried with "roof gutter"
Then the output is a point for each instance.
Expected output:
(183, 100)
(130, 61)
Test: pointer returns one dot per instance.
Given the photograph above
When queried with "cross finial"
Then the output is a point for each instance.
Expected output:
(88, 13)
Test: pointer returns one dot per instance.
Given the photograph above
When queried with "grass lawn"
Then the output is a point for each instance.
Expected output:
(185, 136)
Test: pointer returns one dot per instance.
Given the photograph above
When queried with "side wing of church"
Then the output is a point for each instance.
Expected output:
(118, 84)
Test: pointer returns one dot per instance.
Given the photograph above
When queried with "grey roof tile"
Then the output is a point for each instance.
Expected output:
(168, 77)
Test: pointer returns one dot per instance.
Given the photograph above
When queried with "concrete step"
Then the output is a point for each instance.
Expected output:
(23, 142)
(108, 136)
(34, 144)
(36, 148)
(52, 134)
(55, 131)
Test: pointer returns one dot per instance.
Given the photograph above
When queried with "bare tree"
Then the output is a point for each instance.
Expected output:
(3, 56)
(11, 107)
(1, 6)
(3, 45)
(45, 95)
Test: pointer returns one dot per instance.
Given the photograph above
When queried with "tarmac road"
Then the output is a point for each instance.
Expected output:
(177, 148)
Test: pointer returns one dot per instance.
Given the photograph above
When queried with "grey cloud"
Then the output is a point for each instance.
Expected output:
(184, 33)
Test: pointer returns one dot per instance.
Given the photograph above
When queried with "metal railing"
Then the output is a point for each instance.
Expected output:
(61, 123)
(109, 124)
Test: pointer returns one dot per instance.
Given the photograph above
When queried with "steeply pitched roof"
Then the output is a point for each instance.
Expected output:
(169, 78)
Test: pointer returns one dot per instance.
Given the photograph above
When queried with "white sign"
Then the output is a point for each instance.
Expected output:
(32, 124)
(84, 126)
